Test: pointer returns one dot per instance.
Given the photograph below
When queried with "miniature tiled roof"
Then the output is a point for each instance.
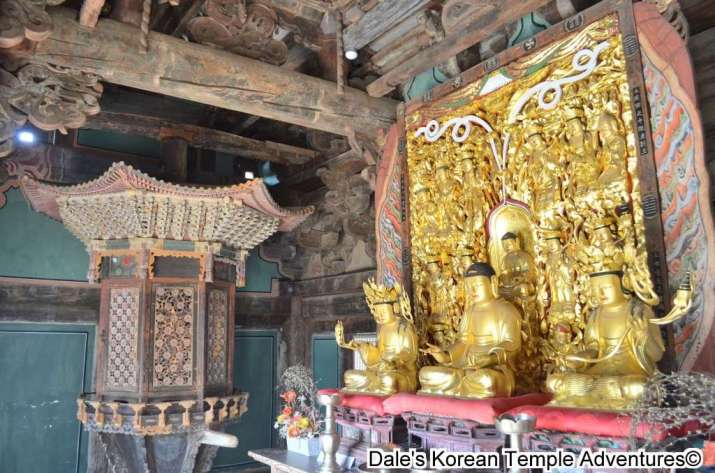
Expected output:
(126, 203)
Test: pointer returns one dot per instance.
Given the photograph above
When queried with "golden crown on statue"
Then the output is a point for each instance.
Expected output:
(604, 251)
(376, 294)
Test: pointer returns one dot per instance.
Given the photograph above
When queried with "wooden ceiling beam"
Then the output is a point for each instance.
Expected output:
(210, 76)
(200, 137)
(486, 22)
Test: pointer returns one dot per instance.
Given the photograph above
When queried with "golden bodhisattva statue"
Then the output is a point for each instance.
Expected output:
(542, 177)
(392, 360)
(479, 363)
(612, 156)
(622, 344)
(442, 297)
(560, 276)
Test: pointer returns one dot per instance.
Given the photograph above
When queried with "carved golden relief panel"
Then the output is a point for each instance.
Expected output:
(217, 319)
(123, 338)
(532, 168)
(173, 336)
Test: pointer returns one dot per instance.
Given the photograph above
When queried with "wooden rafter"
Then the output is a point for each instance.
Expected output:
(200, 137)
(474, 31)
(379, 20)
(206, 75)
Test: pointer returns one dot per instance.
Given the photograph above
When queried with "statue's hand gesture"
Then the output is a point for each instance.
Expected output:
(340, 337)
(340, 334)
(431, 349)
(639, 325)
(436, 352)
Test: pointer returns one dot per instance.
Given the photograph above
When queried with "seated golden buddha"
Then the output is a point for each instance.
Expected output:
(622, 344)
(478, 364)
(516, 280)
(391, 362)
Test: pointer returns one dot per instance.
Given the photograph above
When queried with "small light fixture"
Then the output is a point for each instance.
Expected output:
(351, 54)
(248, 175)
(25, 136)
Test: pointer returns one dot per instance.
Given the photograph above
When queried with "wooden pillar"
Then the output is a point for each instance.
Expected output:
(299, 342)
(174, 156)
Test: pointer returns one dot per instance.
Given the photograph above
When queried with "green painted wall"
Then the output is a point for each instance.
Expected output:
(254, 371)
(119, 142)
(35, 246)
(259, 273)
(326, 361)
(43, 368)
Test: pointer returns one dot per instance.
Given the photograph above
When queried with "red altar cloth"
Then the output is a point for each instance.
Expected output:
(369, 402)
(483, 411)
(593, 422)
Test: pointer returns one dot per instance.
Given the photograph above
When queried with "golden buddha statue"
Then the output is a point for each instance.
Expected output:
(544, 180)
(475, 204)
(622, 344)
(560, 276)
(442, 298)
(580, 146)
(612, 156)
(479, 363)
(392, 360)
(517, 276)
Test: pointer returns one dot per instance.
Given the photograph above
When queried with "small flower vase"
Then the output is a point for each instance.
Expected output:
(309, 446)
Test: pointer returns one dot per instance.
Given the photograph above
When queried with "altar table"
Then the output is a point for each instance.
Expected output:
(283, 461)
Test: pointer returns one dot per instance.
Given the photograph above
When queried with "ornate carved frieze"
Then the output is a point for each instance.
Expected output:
(174, 308)
(245, 29)
(125, 203)
(49, 97)
(123, 338)
(217, 328)
(141, 418)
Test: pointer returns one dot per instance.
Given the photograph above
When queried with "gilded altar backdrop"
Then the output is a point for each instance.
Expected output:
(533, 168)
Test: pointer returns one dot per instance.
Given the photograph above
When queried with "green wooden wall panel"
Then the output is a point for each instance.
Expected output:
(259, 273)
(43, 368)
(119, 142)
(254, 371)
(326, 361)
(35, 246)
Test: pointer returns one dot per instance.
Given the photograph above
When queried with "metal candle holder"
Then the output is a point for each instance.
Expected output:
(515, 427)
(329, 439)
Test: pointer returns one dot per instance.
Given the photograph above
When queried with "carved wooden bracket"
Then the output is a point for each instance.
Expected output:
(24, 23)
(245, 29)
(340, 236)
(50, 97)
